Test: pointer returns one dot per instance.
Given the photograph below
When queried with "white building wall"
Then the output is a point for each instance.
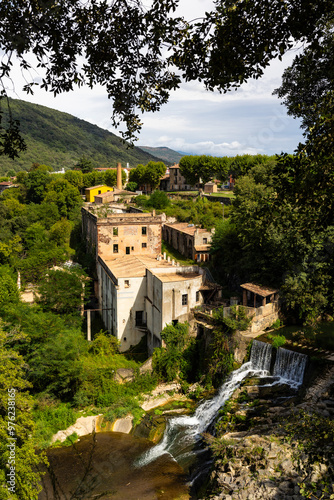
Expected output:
(153, 304)
(173, 309)
(157, 301)
(107, 300)
(130, 299)
(119, 301)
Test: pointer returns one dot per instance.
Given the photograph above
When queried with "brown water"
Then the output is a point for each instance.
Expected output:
(112, 472)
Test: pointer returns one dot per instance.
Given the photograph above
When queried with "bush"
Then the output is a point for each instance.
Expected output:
(277, 324)
(125, 406)
(277, 340)
(159, 200)
(168, 362)
(50, 417)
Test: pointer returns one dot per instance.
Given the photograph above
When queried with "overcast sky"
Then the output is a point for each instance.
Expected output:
(249, 120)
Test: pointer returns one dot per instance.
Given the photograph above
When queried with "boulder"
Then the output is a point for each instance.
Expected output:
(123, 375)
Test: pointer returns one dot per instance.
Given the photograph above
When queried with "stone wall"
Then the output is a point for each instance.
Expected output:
(262, 317)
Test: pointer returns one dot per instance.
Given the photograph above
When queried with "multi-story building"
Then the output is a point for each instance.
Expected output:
(188, 239)
(141, 295)
(139, 291)
(123, 234)
(177, 182)
(93, 191)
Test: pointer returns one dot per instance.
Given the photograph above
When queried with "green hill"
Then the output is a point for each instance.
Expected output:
(59, 140)
(167, 155)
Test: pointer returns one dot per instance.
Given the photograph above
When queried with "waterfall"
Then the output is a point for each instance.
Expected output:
(290, 366)
(182, 433)
(261, 355)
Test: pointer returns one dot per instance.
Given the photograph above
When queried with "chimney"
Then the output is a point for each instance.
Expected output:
(119, 176)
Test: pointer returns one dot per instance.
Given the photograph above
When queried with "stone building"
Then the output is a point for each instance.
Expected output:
(138, 290)
(141, 295)
(210, 187)
(122, 234)
(177, 182)
(188, 239)
(115, 196)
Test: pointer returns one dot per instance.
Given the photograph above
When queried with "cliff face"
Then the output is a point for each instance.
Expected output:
(273, 444)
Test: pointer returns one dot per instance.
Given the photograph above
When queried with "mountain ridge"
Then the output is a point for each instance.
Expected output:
(59, 140)
(168, 155)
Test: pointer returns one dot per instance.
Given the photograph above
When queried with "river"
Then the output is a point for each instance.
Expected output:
(129, 468)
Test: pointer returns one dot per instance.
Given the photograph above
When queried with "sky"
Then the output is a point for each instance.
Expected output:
(194, 121)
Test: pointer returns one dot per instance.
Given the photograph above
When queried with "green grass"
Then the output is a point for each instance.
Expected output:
(50, 417)
(224, 194)
(184, 193)
(174, 254)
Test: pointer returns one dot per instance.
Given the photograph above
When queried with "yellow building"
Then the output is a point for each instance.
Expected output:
(96, 190)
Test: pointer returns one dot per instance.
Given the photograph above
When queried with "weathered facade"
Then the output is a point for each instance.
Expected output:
(141, 294)
(122, 234)
(177, 182)
(191, 241)
(114, 196)
(138, 290)
(210, 187)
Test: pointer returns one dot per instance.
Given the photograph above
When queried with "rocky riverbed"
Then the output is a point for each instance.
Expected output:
(255, 456)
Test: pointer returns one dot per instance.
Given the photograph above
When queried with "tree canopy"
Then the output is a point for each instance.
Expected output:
(140, 54)
(148, 174)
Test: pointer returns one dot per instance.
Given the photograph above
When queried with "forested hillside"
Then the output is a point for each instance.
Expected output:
(59, 140)
(168, 155)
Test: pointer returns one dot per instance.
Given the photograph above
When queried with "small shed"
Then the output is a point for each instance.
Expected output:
(257, 295)
(210, 187)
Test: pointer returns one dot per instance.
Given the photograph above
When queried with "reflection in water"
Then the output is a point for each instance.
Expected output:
(133, 468)
(112, 471)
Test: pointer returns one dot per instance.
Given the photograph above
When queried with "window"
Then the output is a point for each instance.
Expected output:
(143, 245)
(140, 318)
(115, 250)
(197, 296)
(127, 283)
(132, 249)
(127, 250)
(205, 240)
(144, 230)
(185, 299)
(99, 191)
(115, 231)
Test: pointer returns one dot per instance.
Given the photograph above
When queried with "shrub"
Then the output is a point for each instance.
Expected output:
(169, 362)
(50, 417)
(277, 340)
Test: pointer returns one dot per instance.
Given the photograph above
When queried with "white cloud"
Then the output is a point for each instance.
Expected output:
(250, 119)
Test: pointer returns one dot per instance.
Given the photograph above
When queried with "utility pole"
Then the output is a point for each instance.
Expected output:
(89, 333)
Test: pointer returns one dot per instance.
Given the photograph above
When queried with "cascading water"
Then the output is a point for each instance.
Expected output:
(261, 355)
(182, 432)
(290, 366)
